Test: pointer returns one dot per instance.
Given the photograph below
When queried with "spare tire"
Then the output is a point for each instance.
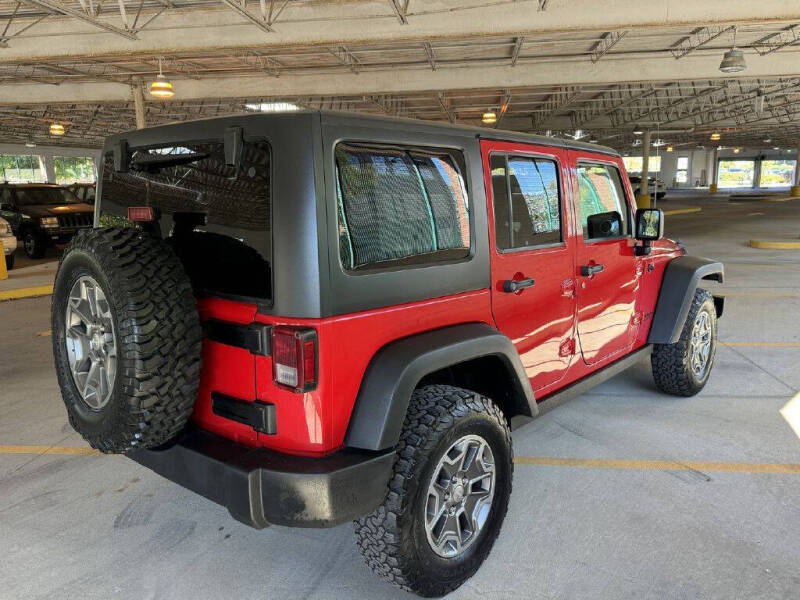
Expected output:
(126, 339)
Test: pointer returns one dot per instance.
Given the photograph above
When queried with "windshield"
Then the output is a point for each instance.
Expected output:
(44, 196)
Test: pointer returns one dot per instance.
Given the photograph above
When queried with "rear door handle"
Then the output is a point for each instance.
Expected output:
(589, 270)
(511, 286)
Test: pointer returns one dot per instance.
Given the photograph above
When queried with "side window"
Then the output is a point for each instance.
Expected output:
(527, 204)
(604, 211)
(399, 206)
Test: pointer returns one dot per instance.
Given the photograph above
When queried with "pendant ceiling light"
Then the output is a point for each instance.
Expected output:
(161, 87)
(715, 137)
(57, 129)
(489, 117)
(733, 60)
(670, 149)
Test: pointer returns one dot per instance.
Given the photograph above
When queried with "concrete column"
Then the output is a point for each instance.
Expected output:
(756, 172)
(643, 199)
(138, 105)
(796, 187)
(712, 188)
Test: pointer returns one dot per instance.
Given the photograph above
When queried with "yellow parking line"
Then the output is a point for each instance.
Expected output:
(62, 450)
(682, 211)
(774, 245)
(657, 465)
(764, 344)
(29, 292)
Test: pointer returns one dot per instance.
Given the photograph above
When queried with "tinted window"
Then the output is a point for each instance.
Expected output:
(526, 198)
(217, 217)
(399, 206)
(602, 201)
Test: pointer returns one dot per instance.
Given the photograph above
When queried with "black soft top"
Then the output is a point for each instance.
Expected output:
(384, 122)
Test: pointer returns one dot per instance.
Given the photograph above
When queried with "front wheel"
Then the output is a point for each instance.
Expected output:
(682, 368)
(448, 496)
(34, 243)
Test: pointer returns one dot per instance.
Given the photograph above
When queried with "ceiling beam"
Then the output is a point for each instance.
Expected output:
(400, 8)
(62, 9)
(360, 81)
(608, 40)
(329, 23)
(698, 38)
(241, 8)
(774, 42)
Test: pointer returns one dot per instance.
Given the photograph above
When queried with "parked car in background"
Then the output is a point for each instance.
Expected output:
(655, 186)
(43, 213)
(9, 241)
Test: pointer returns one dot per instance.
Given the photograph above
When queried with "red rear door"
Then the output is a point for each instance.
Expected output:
(532, 256)
(606, 267)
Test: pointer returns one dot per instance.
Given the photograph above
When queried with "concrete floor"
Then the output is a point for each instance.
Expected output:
(102, 527)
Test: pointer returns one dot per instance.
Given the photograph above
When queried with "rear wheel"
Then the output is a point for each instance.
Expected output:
(126, 339)
(683, 368)
(448, 496)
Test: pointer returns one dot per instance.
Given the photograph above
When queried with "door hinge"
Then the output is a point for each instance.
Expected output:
(567, 348)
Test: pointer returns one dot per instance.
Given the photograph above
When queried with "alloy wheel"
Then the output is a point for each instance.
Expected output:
(460, 495)
(91, 342)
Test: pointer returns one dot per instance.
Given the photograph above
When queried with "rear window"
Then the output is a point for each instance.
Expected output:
(216, 216)
(400, 206)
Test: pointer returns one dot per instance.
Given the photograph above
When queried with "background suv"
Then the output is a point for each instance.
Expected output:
(41, 213)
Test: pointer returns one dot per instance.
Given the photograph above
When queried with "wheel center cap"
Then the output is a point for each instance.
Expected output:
(458, 493)
(97, 342)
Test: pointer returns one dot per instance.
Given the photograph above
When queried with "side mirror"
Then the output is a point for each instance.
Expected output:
(604, 225)
(649, 224)
(649, 227)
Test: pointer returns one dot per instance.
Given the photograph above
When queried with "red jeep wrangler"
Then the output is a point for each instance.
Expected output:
(312, 318)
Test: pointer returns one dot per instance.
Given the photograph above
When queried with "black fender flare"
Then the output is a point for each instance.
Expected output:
(396, 369)
(681, 278)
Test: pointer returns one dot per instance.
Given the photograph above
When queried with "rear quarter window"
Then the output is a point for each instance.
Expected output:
(400, 206)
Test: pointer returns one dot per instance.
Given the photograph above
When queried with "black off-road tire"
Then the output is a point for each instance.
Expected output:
(392, 539)
(34, 243)
(158, 338)
(672, 370)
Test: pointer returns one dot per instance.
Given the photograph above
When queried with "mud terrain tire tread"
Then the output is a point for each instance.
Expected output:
(670, 362)
(432, 412)
(158, 338)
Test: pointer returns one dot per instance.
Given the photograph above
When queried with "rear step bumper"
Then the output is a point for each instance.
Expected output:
(261, 487)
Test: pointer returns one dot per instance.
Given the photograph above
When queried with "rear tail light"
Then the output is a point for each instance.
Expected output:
(141, 214)
(294, 358)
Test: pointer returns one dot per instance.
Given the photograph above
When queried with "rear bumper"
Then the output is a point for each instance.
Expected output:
(261, 487)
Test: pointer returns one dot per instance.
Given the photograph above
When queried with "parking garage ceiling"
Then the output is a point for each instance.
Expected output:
(606, 69)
